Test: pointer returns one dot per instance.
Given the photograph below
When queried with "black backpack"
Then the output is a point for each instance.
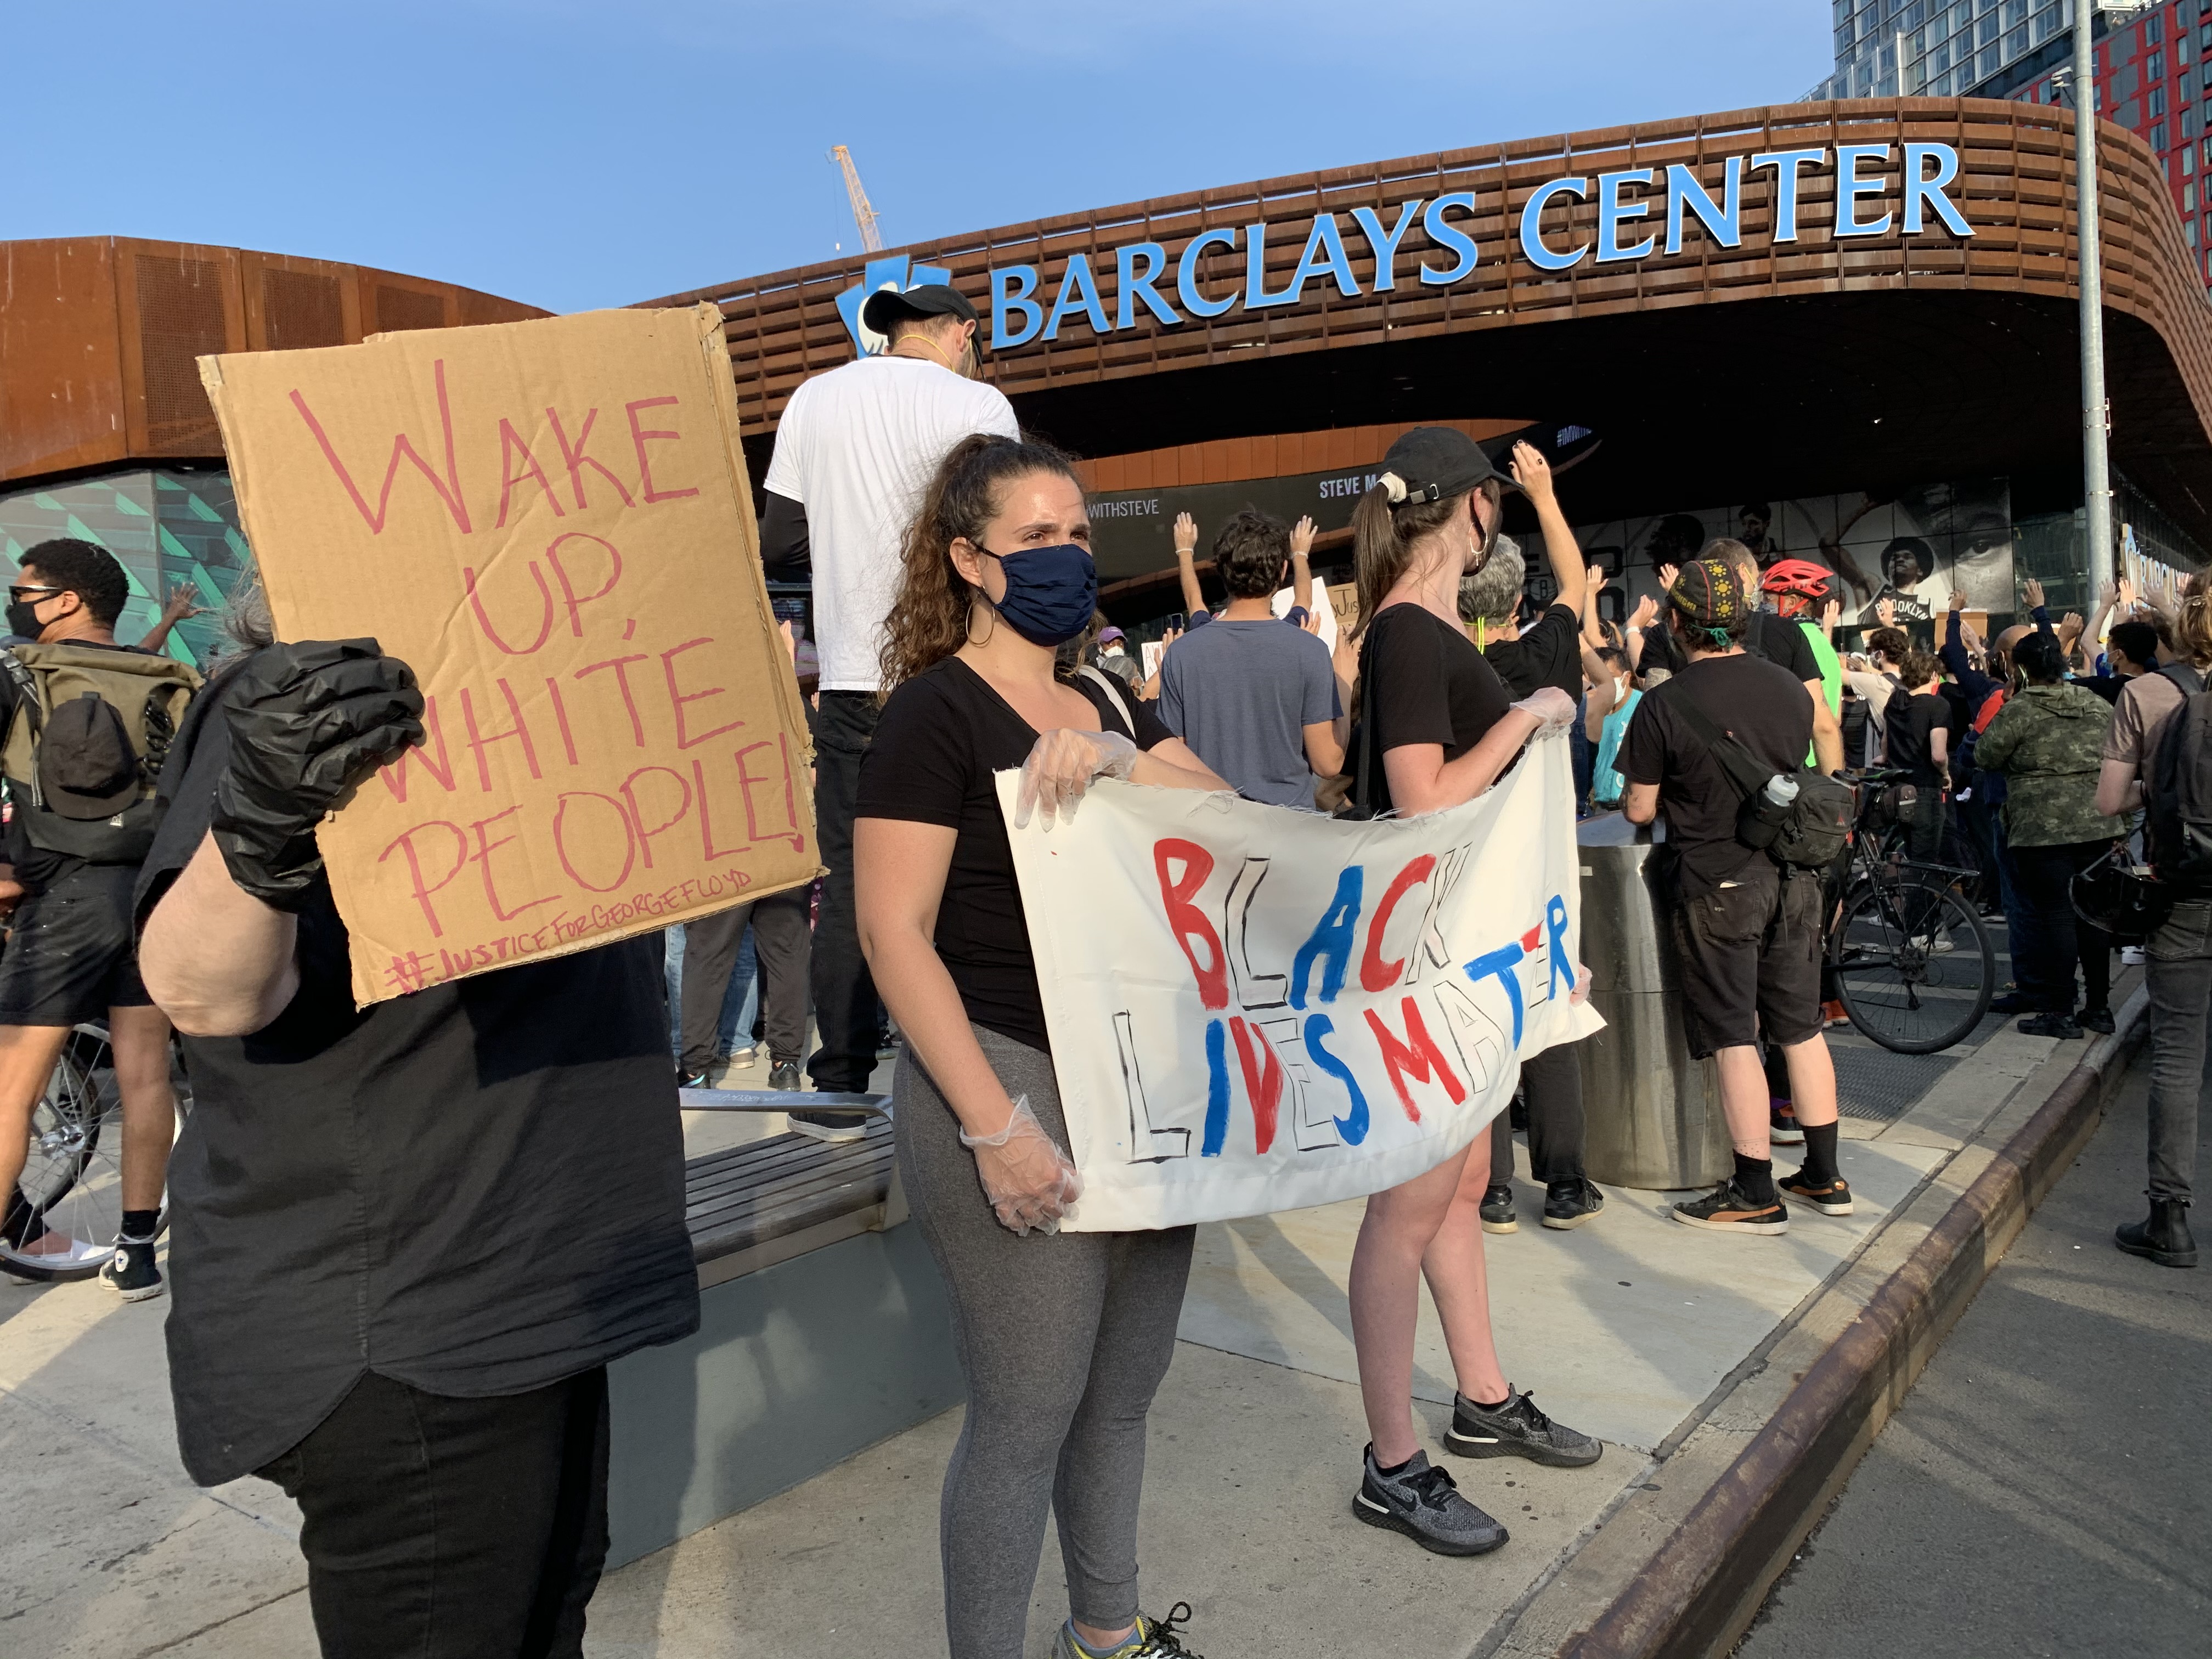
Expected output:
(2178, 826)
(1811, 832)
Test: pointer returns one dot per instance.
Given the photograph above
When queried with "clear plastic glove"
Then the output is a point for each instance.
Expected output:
(1553, 709)
(1028, 1179)
(1580, 995)
(1061, 767)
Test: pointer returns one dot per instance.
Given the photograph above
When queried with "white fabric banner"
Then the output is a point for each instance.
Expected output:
(1254, 1009)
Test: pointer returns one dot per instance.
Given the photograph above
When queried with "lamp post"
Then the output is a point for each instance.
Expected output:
(2096, 409)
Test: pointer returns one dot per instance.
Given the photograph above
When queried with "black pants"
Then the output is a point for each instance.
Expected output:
(1551, 1082)
(783, 944)
(844, 992)
(444, 1528)
(2043, 962)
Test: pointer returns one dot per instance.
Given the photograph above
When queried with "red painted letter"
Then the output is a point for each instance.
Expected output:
(1188, 920)
(573, 457)
(1263, 1080)
(1414, 1058)
(403, 448)
(406, 845)
(511, 443)
(1374, 974)
(644, 466)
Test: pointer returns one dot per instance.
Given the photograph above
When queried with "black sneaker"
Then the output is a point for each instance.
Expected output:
(1829, 1198)
(1726, 1209)
(131, 1272)
(1423, 1502)
(1781, 1126)
(2098, 1020)
(1497, 1210)
(1517, 1429)
(2051, 1024)
(1568, 1204)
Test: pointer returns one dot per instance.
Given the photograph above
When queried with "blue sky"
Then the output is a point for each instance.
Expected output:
(581, 153)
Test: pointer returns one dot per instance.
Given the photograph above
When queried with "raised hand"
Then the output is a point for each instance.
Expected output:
(1667, 574)
(2033, 590)
(1957, 599)
(1646, 613)
(1186, 534)
(1531, 471)
(1301, 535)
(1885, 613)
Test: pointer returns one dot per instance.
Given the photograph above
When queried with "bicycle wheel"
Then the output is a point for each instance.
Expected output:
(1913, 964)
(73, 1174)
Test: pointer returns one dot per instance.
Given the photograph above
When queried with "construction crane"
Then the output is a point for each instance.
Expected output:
(863, 214)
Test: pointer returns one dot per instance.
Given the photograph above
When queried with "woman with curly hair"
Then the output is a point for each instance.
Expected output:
(1063, 1337)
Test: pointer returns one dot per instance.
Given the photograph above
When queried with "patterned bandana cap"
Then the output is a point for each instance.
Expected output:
(1709, 595)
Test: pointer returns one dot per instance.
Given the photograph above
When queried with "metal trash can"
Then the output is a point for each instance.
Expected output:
(1654, 1112)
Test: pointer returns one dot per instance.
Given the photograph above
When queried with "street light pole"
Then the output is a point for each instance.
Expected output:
(2096, 471)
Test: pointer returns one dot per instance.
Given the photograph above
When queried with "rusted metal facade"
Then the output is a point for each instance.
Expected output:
(1964, 346)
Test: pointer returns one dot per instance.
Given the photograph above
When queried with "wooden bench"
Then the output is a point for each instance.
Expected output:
(823, 1328)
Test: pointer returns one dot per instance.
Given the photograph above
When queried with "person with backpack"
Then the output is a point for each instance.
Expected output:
(1748, 925)
(87, 725)
(2047, 741)
(2158, 756)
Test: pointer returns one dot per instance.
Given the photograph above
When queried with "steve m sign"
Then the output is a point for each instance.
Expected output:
(1640, 211)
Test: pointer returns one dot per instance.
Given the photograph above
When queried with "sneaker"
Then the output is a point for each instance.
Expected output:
(1831, 1197)
(2051, 1024)
(1423, 1502)
(1782, 1124)
(1726, 1209)
(2096, 1019)
(691, 1079)
(131, 1272)
(783, 1077)
(742, 1057)
(2131, 956)
(1833, 1013)
(1498, 1215)
(1517, 1429)
(1568, 1204)
(1152, 1639)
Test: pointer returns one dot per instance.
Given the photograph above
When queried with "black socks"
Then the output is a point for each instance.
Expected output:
(1820, 1167)
(1754, 1178)
(139, 1226)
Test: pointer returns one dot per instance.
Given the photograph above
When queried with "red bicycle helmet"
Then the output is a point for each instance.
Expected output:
(1799, 576)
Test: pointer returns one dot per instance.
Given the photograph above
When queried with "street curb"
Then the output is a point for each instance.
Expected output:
(1697, 1591)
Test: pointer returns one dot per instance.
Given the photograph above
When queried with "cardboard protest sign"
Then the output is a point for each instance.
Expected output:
(550, 522)
(1254, 1009)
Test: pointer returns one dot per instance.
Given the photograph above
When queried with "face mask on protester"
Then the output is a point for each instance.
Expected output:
(1051, 592)
(23, 618)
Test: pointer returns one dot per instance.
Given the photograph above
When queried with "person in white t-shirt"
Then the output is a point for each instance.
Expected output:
(854, 450)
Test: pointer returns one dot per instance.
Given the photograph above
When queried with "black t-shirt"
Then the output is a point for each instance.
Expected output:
(1751, 699)
(475, 1190)
(1423, 681)
(36, 868)
(939, 740)
(1548, 653)
(1906, 723)
(1782, 642)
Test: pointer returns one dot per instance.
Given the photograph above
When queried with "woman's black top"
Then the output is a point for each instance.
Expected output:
(1423, 681)
(939, 740)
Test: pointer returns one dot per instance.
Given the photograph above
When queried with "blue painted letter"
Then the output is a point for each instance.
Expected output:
(1919, 191)
(1532, 225)
(1217, 1091)
(1384, 243)
(1451, 238)
(1324, 252)
(1135, 286)
(1354, 1128)
(1849, 187)
(1502, 962)
(1785, 163)
(1724, 223)
(1186, 273)
(1078, 291)
(1331, 938)
(1611, 211)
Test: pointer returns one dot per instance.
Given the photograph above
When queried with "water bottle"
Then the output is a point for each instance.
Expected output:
(1781, 792)
(1762, 817)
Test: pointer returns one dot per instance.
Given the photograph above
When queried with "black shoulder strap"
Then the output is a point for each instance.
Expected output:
(1364, 763)
(1738, 764)
(2184, 675)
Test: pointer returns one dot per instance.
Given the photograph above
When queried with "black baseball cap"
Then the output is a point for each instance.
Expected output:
(1433, 462)
(887, 305)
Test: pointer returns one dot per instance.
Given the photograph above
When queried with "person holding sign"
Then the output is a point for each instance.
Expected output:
(1444, 729)
(1063, 1336)
(406, 1240)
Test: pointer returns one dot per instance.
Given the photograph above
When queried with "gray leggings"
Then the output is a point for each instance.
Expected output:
(1063, 1342)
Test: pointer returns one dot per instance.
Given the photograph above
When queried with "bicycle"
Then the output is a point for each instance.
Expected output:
(1914, 965)
(73, 1175)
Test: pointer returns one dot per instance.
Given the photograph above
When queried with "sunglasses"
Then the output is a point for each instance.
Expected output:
(15, 593)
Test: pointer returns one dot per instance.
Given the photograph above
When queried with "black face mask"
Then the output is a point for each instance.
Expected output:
(23, 619)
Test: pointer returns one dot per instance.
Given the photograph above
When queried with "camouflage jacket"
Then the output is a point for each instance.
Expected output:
(2049, 742)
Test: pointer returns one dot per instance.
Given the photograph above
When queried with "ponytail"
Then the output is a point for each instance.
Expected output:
(1384, 536)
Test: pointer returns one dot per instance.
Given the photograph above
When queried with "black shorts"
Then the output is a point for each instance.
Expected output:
(1750, 954)
(71, 957)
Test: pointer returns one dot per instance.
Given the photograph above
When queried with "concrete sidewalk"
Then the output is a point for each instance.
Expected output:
(1628, 1328)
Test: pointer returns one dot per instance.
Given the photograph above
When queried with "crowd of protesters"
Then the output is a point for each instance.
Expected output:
(409, 1329)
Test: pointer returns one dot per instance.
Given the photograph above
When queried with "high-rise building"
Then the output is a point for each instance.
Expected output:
(2152, 75)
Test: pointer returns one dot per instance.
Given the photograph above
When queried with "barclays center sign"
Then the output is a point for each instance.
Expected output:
(1425, 242)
